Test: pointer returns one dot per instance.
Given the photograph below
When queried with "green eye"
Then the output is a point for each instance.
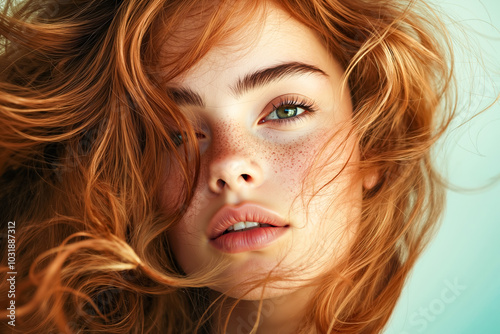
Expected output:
(285, 112)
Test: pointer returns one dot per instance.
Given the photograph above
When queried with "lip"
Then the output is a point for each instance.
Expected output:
(249, 240)
(229, 215)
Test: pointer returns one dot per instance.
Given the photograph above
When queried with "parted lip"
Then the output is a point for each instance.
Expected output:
(248, 212)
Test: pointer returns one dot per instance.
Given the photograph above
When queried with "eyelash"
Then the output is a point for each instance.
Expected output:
(296, 101)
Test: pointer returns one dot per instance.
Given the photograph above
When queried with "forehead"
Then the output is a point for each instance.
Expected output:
(266, 36)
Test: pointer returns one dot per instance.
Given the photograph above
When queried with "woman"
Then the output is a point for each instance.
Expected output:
(219, 167)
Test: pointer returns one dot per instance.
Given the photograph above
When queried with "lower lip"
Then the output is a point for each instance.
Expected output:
(254, 239)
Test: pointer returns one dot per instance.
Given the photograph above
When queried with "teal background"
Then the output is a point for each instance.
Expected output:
(466, 251)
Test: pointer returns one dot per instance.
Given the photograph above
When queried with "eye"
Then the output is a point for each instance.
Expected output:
(180, 138)
(289, 109)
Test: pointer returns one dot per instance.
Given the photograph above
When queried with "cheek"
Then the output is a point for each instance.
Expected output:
(330, 194)
(289, 164)
(317, 162)
(172, 188)
(184, 236)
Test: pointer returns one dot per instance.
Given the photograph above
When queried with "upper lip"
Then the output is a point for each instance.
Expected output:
(229, 215)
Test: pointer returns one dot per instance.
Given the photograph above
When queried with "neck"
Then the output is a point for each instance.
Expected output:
(278, 315)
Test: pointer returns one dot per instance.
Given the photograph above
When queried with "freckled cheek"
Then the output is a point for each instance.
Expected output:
(315, 170)
(288, 164)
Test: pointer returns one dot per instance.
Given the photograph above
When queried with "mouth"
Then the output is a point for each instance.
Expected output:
(244, 229)
(242, 218)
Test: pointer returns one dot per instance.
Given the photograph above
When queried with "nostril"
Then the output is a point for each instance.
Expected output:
(246, 177)
(221, 183)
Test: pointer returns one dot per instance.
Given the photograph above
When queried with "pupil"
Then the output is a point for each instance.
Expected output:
(286, 112)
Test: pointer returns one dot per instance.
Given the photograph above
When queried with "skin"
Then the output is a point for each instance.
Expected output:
(323, 210)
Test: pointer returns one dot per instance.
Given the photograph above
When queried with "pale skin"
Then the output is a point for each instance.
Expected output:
(240, 133)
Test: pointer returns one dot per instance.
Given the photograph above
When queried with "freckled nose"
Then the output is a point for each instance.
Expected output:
(234, 173)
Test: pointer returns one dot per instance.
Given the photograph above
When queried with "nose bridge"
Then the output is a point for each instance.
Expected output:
(232, 159)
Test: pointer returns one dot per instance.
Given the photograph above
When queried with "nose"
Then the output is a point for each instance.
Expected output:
(234, 173)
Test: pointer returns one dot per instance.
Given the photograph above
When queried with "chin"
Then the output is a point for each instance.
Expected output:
(271, 290)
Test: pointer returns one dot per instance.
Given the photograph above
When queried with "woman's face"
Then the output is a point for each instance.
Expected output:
(266, 103)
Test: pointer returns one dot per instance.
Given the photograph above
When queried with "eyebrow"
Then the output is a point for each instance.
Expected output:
(186, 96)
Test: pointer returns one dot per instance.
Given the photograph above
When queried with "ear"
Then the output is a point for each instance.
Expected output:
(370, 180)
